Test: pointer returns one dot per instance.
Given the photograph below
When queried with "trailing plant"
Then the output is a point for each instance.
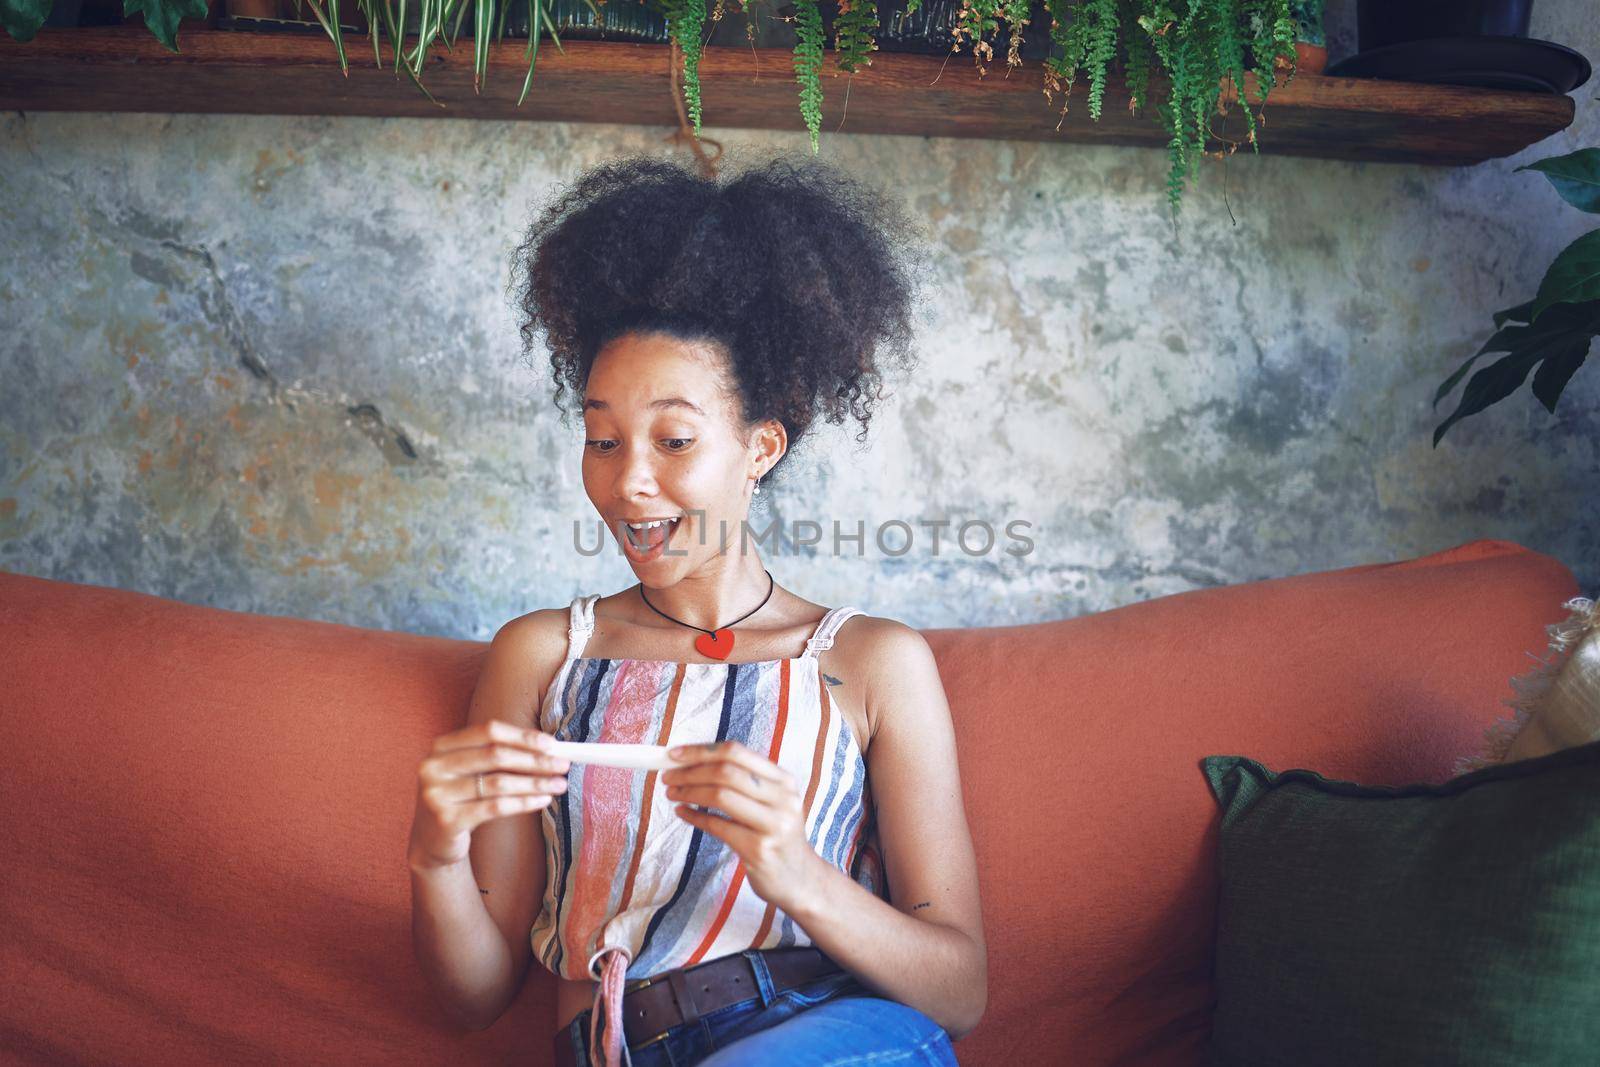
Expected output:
(1199, 47)
(1202, 49)
(684, 19)
(807, 65)
(1561, 321)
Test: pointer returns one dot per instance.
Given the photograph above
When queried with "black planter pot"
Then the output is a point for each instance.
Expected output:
(929, 31)
(1385, 22)
(621, 20)
(932, 29)
(625, 20)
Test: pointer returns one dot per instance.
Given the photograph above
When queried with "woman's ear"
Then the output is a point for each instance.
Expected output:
(768, 445)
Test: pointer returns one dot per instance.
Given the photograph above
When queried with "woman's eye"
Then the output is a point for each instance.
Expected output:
(676, 444)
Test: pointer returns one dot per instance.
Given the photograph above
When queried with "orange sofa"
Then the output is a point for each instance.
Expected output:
(206, 812)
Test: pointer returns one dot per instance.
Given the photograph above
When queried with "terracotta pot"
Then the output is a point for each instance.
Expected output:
(1310, 58)
(254, 9)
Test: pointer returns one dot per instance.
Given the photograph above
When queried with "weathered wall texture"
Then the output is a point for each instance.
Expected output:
(269, 364)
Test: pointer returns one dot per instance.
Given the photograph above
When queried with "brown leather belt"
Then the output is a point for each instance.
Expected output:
(652, 1006)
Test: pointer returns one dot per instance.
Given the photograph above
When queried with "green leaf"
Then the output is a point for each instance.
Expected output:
(1576, 177)
(162, 16)
(1573, 276)
(1461, 372)
(397, 38)
(1522, 313)
(368, 8)
(1555, 372)
(535, 8)
(22, 18)
(1562, 337)
(481, 16)
(809, 40)
(332, 29)
(1494, 382)
(1505, 340)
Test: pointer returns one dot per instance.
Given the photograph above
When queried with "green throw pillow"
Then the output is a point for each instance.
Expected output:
(1456, 923)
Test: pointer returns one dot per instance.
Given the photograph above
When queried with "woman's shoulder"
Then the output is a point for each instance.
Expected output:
(534, 646)
(538, 637)
(878, 637)
(882, 656)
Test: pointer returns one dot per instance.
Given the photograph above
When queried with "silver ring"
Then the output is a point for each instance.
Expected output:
(480, 785)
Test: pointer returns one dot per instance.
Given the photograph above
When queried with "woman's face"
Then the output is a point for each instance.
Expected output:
(660, 443)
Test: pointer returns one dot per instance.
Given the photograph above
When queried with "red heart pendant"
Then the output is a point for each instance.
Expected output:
(716, 645)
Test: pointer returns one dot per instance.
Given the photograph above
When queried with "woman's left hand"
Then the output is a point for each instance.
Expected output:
(765, 823)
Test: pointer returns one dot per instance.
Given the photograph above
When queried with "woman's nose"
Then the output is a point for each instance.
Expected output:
(635, 477)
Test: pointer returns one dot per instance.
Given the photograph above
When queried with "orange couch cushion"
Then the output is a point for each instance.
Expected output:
(207, 811)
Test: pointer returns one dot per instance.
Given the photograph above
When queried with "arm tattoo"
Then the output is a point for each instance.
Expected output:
(924, 904)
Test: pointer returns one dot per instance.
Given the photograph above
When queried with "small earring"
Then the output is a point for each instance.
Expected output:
(758, 485)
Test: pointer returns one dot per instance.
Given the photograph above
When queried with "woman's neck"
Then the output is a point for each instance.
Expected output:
(714, 601)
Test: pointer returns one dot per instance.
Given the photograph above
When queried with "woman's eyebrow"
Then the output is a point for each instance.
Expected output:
(663, 402)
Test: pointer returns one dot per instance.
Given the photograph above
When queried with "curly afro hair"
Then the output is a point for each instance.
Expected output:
(799, 275)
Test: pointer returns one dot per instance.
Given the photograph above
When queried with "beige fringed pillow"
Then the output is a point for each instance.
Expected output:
(1558, 702)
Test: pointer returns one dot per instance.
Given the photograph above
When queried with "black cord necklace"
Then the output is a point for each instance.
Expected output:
(718, 643)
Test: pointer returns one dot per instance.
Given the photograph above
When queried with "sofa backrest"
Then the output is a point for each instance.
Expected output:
(1080, 747)
(207, 811)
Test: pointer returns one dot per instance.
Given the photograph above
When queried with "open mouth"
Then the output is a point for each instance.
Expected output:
(646, 536)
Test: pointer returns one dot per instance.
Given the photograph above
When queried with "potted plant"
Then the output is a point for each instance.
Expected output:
(1558, 324)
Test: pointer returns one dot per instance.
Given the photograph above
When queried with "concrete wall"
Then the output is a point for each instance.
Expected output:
(270, 364)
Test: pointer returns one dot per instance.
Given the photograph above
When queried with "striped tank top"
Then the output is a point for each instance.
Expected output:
(631, 889)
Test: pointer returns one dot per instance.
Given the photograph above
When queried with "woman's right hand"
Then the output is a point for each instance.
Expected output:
(520, 774)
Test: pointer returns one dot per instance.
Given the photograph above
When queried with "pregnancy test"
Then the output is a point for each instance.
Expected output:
(633, 757)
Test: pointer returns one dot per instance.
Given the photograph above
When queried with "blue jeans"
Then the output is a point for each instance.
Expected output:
(828, 1021)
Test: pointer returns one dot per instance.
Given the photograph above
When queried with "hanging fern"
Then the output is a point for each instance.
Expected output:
(977, 19)
(1016, 13)
(1196, 45)
(685, 19)
(807, 64)
(1086, 33)
(852, 33)
(1138, 54)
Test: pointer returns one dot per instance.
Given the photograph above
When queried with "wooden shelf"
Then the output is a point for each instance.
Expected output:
(123, 68)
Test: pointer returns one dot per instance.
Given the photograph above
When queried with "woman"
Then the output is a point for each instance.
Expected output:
(736, 908)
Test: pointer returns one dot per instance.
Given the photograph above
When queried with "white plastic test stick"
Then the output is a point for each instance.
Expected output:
(635, 757)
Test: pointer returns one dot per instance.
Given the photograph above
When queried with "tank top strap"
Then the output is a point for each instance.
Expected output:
(581, 624)
(822, 637)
